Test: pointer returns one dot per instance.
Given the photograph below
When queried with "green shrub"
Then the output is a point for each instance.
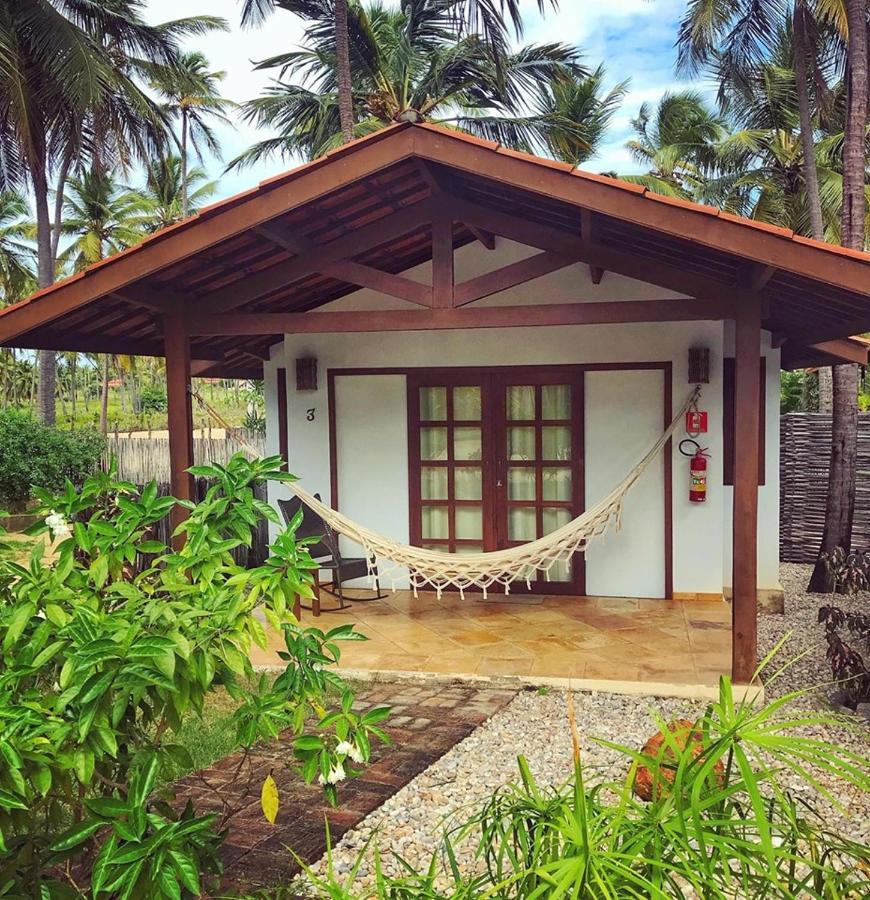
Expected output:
(726, 826)
(152, 398)
(35, 454)
(105, 654)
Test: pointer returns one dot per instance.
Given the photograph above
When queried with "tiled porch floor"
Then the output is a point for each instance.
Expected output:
(551, 636)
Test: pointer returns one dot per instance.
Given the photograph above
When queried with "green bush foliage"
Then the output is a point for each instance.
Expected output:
(35, 454)
(105, 653)
(732, 819)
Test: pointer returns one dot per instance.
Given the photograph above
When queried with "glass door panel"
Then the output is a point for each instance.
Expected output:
(539, 476)
(448, 442)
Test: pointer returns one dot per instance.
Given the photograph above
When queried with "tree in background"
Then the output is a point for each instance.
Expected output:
(678, 145)
(486, 17)
(69, 97)
(586, 111)
(840, 505)
(173, 191)
(410, 64)
(191, 94)
(101, 217)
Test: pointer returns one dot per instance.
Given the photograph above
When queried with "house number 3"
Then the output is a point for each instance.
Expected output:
(309, 414)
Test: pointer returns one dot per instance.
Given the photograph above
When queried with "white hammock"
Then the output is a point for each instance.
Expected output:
(482, 570)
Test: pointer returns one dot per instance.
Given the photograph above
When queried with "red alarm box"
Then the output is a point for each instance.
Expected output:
(696, 422)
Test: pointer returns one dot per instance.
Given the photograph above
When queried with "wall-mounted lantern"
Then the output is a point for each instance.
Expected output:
(306, 374)
(699, 365)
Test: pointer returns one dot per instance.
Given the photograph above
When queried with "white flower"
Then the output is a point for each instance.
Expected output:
(58, 525)
(346, 748)
(336, 774)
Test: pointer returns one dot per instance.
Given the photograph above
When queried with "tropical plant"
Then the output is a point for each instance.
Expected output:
(720, 822)
(191, 95)
(167, 186)
(105, 653)
(413, 63)
(848, 665)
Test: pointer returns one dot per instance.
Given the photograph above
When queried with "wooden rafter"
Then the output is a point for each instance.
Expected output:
(351, 244)
(589, 234)
(350, 271)
(593, 313)
(443, 283)
(440, 189)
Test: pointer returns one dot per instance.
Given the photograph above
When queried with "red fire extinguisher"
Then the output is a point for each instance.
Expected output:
(697, 470)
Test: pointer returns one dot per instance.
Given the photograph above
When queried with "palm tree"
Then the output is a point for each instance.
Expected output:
(735, 36)
(102, 217)
(411, 64)
(68, 93)
(678, 144)
(585, 112)
(167, 186)
(470, 16)
(16, 254)
(191, 94)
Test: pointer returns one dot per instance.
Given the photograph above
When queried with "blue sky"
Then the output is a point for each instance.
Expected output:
(633, 38)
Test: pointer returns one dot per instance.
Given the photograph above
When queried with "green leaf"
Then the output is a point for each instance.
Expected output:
(187, 870)
(84, 765)
(77, 835)
(21, 615)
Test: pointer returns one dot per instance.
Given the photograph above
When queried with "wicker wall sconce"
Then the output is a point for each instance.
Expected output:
(699, 365)
(306, 374)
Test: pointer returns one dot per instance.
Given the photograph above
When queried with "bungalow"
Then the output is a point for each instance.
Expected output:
(465, 347)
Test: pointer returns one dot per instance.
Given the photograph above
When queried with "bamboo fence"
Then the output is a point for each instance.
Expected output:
(143, 459)
(805, 451)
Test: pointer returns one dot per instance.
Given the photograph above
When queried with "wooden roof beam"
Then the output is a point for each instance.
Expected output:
(352, 272)
(545, 237)
(559, 314)
(510, 276)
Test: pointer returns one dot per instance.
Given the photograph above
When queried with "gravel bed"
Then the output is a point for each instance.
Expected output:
(535, 724)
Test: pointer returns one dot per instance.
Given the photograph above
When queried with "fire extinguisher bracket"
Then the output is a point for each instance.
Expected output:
(695, 447)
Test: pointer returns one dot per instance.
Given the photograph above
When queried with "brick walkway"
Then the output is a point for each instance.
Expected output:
(427, 721)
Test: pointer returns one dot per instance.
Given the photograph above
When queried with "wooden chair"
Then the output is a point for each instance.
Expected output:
(328, 556)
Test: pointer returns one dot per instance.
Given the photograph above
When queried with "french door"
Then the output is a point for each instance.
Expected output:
(496, 460)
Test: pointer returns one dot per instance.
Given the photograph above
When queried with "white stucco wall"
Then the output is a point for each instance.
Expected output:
(622, 407)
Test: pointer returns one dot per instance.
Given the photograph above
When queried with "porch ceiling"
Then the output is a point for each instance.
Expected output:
(363, 213)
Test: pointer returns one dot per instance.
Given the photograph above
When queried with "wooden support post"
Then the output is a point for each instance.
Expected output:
(745, 512)
(180, 412)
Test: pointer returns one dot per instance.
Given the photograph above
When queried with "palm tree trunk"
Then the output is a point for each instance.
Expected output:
(811, 174)
(47, 386)
(58, 206)
(184, 163)
(840, 506)
(810, 169)
(342, 62)
(104, 398)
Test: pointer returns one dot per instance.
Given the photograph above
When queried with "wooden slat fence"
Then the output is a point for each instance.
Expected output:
(806, 449)
(143, 459)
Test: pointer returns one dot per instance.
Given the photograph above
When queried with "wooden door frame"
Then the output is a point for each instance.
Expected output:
(664, 366)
